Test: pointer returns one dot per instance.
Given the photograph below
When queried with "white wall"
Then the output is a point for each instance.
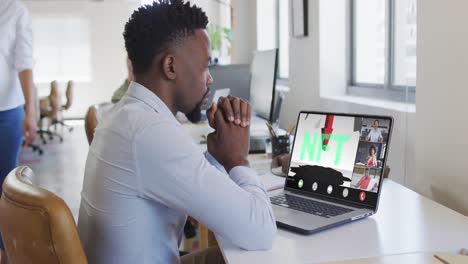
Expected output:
(244, 31)
(304, 71)
(318, 78)
(108, 65)
(333, 47)
(108, 69)
(442, 127)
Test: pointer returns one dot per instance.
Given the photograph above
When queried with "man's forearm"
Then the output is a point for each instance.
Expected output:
(29, 91)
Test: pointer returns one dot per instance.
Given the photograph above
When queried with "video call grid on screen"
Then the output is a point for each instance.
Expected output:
(340, 156)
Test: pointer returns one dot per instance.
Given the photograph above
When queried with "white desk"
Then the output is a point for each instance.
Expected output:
(405, 223)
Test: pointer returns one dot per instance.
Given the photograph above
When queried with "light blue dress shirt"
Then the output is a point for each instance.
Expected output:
(144, 174)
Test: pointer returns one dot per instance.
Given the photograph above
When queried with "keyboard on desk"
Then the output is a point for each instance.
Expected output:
(309, 206)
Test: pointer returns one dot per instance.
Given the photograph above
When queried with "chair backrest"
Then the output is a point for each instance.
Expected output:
(69, 95)
(54, 101)
(36, 225)
(92, 117)
(90, 123)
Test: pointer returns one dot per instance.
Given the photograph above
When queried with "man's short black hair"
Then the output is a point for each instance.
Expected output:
(153, 28)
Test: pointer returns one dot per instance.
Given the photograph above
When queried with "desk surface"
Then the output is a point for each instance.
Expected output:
(405, 223)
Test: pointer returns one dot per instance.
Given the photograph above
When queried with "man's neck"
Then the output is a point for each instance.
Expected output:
(161, 90)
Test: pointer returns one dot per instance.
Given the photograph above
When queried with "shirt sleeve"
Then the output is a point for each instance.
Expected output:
(24, 42)
(172, 170)
(214, 162)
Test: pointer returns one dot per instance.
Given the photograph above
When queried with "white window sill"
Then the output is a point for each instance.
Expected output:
(385, 104)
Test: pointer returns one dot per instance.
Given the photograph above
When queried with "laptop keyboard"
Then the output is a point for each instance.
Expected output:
(309, 206)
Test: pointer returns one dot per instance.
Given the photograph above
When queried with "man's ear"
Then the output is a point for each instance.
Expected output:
(168, 66)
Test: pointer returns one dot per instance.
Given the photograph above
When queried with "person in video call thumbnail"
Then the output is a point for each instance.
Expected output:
(372, 158)
(375, 135)
(363, 183)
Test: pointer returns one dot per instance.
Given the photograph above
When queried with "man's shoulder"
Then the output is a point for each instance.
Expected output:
(20, 8)
(129, 118)
(13, 8)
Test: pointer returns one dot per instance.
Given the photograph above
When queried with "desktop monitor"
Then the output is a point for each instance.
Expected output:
(233, 76)
(262, 83)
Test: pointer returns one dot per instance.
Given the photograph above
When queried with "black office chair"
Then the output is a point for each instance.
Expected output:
(35, 148)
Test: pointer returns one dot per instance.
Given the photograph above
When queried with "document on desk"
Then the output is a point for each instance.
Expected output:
(451, 258)
(413, 258)
(262, 165)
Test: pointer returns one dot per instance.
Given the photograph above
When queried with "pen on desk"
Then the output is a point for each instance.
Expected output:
(441, 259)
(291, 129)
(271, 129)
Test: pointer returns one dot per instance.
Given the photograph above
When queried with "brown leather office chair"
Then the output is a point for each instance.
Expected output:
(69, 96)
(92, 118)
(49, 110)
(36, 225)
(59, 118)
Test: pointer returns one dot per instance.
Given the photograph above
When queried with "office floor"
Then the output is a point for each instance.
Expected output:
(61, 168)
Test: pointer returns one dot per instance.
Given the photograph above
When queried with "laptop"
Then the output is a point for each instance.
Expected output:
(336, 171)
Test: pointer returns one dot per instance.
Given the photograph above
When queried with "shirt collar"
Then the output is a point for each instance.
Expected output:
(143, 94)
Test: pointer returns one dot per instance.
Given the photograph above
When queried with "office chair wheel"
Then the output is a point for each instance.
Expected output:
(61, 140)
(41, 152)
(70, 129)
(51, 137)
(44, 141)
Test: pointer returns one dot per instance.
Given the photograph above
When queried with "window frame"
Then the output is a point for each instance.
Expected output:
(276, 28)
(281, 80)
(388, 90)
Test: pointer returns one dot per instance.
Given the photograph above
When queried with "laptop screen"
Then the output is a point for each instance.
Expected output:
(340, 156)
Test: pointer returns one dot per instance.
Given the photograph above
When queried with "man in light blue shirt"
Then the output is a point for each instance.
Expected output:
(144, 174)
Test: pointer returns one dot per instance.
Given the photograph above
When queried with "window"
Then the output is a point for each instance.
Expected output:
(273, 31)
(283, 29)
(383, 49)
(62, 49)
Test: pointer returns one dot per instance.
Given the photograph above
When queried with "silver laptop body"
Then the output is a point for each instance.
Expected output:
(308, 204)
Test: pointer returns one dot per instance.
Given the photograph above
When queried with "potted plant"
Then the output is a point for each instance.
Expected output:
(218, 35)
